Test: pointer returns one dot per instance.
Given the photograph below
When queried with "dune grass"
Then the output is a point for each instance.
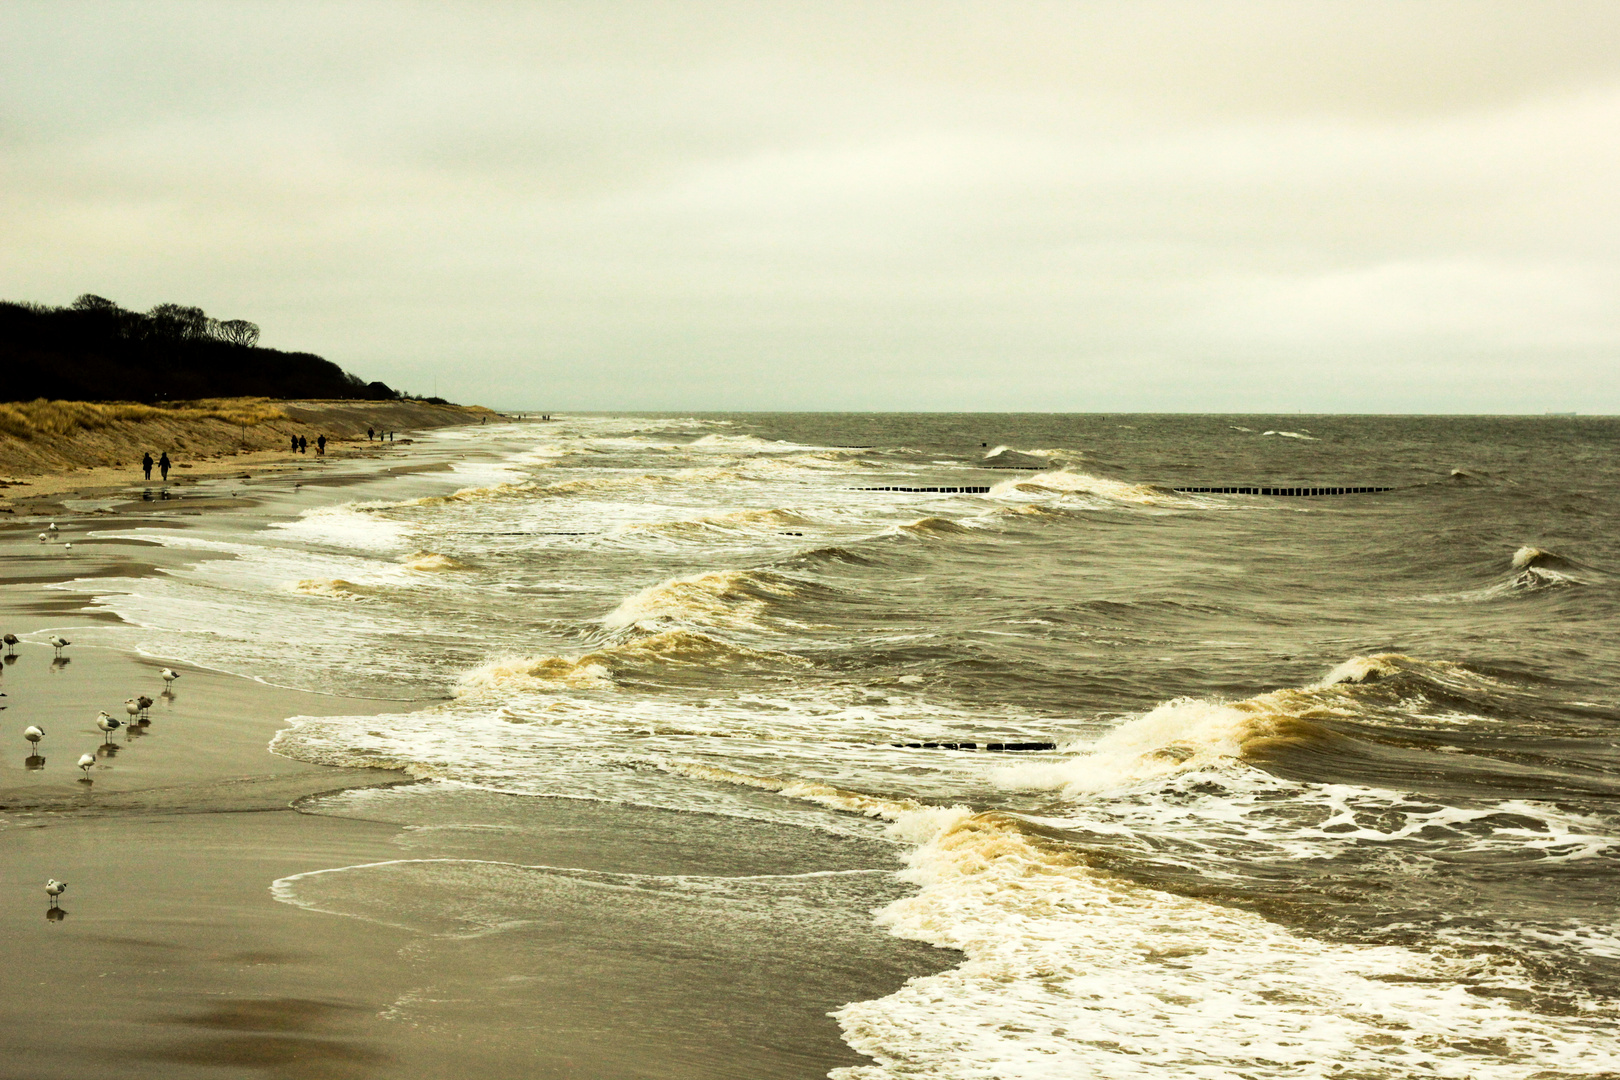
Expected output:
(27, 421)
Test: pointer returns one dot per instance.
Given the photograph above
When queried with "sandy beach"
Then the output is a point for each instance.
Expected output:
(198, 936)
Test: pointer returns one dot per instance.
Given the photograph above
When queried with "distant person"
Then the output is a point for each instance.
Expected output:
(303, 444)
(295, 444)
(163, 466)
(370, 434)
(146, 464)
(390, 436)
(320, 446)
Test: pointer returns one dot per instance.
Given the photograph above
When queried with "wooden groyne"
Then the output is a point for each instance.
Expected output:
(1296, 492)
(934, 490)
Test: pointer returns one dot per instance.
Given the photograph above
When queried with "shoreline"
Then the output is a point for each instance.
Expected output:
(183, 963)
(40, 468)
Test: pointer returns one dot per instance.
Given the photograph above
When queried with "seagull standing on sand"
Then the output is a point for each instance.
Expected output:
(34, 734)
(145, 703)
(43, 537)
(169, 675)
(108, 725)
(87, 762)
(11, 643)
(54, 889)
(51, 528)
(132, 707)
(58, 642)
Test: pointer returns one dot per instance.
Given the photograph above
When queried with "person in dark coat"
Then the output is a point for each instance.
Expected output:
(320, 446)
(163, 465)
(295, 444)
(146, 464)
(303, 444)
(370, 434)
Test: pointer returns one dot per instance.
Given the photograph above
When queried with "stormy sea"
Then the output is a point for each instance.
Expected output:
(1298, 779)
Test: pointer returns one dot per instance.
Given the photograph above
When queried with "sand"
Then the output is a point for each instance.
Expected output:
(61, 448)
(174, 958)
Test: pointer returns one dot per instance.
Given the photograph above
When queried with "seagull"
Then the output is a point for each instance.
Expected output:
(108, 725)
(58, 642)
(68, 546)
(54, 889)
(44, 537)
(169, 675)
(132, 707)
(87, 762)
(51, 528)
(145, 703)
(11, 643)
(34, 734)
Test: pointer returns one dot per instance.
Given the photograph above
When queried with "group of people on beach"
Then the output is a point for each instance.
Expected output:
(162, 463)
(300, 444)
(380, 436)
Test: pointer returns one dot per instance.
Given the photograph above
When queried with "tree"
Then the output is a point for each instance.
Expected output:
(178, 321)
(237, 332)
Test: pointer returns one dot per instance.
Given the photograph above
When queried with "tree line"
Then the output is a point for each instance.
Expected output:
(95, 350)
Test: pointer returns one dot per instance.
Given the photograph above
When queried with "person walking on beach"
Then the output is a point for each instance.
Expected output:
(303, 444)
(370, 434)
(295, 444)
(146, 464)
(320, 446)
(163, 466)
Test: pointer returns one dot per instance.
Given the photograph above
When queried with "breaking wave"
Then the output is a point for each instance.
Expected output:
(600, 668)
(746, 600)
(1064, 482)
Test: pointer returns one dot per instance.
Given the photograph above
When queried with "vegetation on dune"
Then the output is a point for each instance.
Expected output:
(28, 420)
(95, 351)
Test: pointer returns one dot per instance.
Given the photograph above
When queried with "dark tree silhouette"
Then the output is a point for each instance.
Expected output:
(94, 350)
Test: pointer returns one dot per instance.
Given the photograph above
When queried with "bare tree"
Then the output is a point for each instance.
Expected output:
(179, 321)
(237, 332)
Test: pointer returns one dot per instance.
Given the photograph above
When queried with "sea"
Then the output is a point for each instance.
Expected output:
(1196, 783)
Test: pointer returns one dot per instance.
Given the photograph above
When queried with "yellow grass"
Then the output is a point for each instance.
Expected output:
(28, 420)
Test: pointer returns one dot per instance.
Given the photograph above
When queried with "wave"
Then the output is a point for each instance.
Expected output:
(720, 599)
(1005, 457)
(1070, 971)
(932, 526)
(749, 522)
(1192, 734)
(601, 668)
(431, 562)
(334, 589)
(1064, 482)
(1292, 435)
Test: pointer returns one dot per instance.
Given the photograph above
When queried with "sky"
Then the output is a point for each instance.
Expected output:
(948, 206)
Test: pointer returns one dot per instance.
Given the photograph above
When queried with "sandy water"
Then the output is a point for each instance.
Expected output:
(1333, 786)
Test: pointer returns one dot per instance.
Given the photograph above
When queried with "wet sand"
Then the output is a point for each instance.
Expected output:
(175, 959)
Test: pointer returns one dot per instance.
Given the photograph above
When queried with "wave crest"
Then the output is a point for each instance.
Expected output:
(721, 599)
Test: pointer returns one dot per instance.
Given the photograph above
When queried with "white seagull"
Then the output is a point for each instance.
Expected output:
(169, 675)
(58, 642)
(34, 734)
(87, 762)
(44, 537)
(132, 707)
(51, 528)
(54, 889)
(108, 725)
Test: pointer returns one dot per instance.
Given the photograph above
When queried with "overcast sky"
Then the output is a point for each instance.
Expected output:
(1207, 206)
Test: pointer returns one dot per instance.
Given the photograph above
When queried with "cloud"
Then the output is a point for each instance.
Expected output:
(839, 206)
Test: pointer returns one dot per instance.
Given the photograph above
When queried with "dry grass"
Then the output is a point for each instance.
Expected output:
(29, 420)
(38, 437)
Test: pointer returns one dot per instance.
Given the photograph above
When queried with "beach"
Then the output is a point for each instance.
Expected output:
(176, 958)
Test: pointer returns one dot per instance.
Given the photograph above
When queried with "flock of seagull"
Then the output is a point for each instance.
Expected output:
(135, 708)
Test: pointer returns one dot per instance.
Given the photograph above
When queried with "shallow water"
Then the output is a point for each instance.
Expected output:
(1333, 786)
